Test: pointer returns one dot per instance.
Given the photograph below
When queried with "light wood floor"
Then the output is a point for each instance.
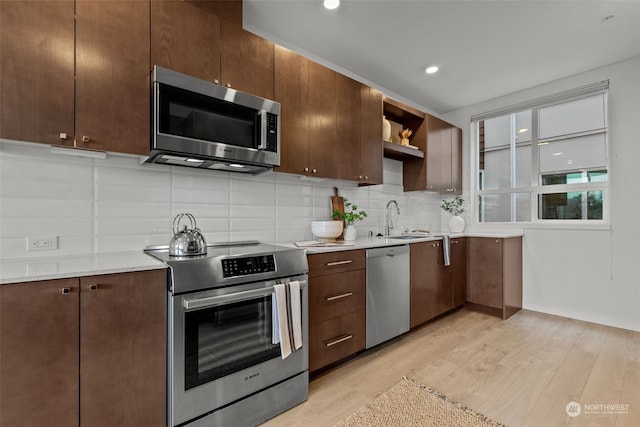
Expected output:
(521, 372)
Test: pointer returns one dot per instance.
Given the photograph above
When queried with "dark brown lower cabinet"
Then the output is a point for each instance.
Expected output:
(431, 293)
(494, 275)
(336, 338)
(337, 315)
(123, 347)
(436, 288)
(89, 351)
(39, 357)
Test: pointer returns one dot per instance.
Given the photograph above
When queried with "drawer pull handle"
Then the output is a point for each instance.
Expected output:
(66, 291)
(331, 264)
(339, 340)
(93, 287)
(348, 294)
(454, 242)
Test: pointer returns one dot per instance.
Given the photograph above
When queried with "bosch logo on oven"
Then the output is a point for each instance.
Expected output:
(250, 377)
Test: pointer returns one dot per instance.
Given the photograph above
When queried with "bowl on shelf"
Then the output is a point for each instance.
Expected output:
(326, 230)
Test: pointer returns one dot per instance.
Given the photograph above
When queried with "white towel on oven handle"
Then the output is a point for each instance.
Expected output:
(296, 313)
(280, 290)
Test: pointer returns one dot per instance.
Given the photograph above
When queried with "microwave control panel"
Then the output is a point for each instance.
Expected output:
(272, 132)
(233, 267)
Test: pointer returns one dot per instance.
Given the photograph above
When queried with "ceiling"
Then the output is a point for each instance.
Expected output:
(484, 49)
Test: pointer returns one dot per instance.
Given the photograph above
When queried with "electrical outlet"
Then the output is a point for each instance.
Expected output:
(42, 243)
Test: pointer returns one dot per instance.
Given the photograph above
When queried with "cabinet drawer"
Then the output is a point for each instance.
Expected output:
(336, 339)
(336, 262)
(336, 294)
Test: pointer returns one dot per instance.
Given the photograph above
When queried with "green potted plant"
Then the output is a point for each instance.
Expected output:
(455, 208)
(350, 216)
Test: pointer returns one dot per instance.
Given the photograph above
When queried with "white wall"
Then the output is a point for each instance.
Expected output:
(97, 206)
(586, 274)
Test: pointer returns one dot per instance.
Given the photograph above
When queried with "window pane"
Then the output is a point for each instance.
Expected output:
(570, 117)
(576, 177)
(498, 131)
(497, 170)
(523, 166)
(499, 207)
(523, 126)
(575, 153)
(576, 205)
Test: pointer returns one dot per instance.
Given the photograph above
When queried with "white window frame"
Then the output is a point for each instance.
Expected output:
(536, 188)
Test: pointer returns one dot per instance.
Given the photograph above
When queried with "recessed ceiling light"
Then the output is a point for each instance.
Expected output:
(431, 69)
(523, 130)
(558, 153)
(235, 165)
(331, 4)
(569, 162)
(543, 143)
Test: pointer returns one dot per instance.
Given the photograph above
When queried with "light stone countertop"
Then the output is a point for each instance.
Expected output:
(377, 242)
(49, 268)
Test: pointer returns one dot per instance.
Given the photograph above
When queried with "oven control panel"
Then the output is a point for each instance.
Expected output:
(233, 267)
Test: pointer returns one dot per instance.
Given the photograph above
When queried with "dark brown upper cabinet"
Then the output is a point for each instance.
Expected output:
(330, 123)
(37, 68)
(205, 39)
(186, 38)
(104, 48)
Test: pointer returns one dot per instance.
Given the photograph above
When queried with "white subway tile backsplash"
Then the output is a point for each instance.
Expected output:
(37, 208)
(255, 211)
(127, 176)
(132, 193)
(37, 227)
(196, 179)
(46, 169)
(116, 204)
(201, 210)
(118, 209)
(125, 226)
(25, 188)
(199, 196)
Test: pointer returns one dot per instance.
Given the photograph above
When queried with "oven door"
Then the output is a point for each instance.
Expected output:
(223, 347)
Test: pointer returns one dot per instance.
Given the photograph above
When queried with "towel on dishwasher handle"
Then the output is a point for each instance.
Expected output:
(446, 249)
(280, 290)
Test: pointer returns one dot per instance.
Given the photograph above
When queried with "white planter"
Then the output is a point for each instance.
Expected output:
(350, 233)
(456, 224)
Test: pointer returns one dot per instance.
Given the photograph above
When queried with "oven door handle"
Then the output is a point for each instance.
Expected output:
(192, 304)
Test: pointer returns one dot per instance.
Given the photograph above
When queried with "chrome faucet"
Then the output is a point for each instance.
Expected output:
(388, 222)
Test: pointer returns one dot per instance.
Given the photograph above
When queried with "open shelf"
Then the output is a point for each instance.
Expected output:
(398, 152)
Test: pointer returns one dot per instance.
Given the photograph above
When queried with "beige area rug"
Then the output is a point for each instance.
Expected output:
(411, 404)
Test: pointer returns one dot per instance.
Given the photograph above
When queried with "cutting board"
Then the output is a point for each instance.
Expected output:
(337, 204)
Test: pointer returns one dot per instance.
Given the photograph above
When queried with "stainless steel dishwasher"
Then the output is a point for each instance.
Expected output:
(388, 301)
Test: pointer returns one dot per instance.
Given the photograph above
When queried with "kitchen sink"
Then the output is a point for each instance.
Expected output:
(409, 236)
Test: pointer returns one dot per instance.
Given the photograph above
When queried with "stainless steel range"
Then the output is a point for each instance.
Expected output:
(226, 366)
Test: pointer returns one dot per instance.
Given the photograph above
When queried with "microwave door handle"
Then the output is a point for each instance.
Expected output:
(262, 114)
(217, 300)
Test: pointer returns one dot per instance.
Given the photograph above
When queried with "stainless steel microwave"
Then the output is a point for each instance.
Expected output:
(197, 123)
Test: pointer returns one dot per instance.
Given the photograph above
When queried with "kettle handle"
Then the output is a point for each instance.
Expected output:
(176, 223)
(192, 220)
(178, 218)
